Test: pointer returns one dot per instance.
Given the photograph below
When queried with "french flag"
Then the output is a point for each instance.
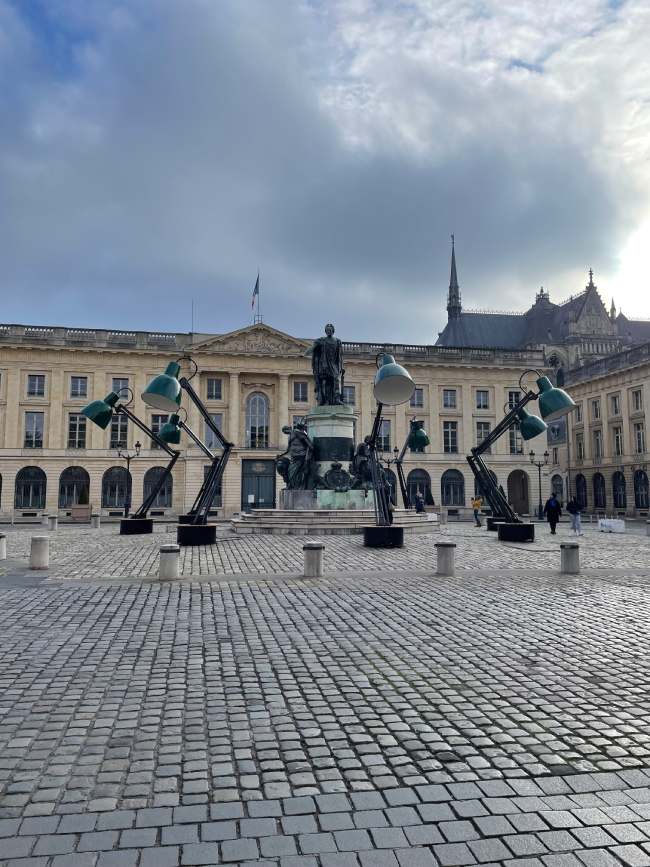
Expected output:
(256, 291)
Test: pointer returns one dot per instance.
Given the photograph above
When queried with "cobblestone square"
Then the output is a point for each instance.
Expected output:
(380, 715)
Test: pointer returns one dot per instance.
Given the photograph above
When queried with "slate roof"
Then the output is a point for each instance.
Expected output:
(504, 330)
(638, 331)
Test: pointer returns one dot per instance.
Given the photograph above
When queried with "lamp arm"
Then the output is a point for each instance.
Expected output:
(503, 425)
(196, 400)
(402, 484)
(406, 441)
(206, 451)
(144, 508)
(374, 435)
(498, 503)
(381, 505)
(120, 409)
(209, 487)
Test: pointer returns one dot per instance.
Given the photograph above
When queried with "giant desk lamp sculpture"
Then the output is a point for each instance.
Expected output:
(100, 412)
(164, 392)
(417, 440)
(393, 385)
(553, 403)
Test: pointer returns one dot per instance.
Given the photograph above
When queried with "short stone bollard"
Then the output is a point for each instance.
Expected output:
(95, 522)
(313, 559)
(446, 559)
(169, 569)
(647, 528)
(44, 520)
(39, 554)
(52, 522)
(570, 558)
(443, 517)
(3, 546)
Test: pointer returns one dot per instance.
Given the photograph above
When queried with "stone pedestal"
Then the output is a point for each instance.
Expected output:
(310, 500)
(331, 430)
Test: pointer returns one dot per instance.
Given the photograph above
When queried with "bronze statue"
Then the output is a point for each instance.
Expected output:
(360, 466)
(297, 472)
(327, 366)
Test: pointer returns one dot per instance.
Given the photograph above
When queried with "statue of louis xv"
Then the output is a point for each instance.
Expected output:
(327, 366)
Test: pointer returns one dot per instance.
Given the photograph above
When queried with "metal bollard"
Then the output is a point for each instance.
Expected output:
(169, 569)
(313, 559)
(95, 522)
(39, 554)
(446, 559)
(52, 522)
(44, 520)
(3, 546)
(570, 558)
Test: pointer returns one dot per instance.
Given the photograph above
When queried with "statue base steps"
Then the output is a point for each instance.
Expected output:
(323, 522)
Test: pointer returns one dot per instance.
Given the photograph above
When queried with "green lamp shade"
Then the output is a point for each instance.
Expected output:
(418, 439)
(170, 432)
(553, 402)
(530, 425)
(164, 390)
(393, 384)
(100, 412)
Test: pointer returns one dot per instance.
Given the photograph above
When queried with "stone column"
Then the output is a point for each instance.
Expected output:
(283, 407)
(233, 409)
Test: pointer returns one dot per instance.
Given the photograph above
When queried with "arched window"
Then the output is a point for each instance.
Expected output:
(557, 486)
(641, 489)
(164, 496)
(114, 488)
(257, 421)
(31, 486)
(419, 481)
(581, 490)
(72, 480)
(478, 487)
(620, 494)
(600, 501)
(453, 488)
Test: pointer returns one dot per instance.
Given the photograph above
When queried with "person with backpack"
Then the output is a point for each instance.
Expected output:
(574, 513)
(553, 512)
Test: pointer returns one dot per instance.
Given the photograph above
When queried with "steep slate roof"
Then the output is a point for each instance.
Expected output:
(638, 331)
(504, 330)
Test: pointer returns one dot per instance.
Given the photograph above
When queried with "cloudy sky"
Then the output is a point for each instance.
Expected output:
(158, 151)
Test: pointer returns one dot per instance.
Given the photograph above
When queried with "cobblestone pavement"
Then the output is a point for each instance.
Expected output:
(402, 721)
(81, 553)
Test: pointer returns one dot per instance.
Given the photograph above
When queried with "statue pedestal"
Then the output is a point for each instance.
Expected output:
(331, 429)
(325, 500)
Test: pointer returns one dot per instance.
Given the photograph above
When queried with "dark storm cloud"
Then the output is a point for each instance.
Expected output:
(157, 153)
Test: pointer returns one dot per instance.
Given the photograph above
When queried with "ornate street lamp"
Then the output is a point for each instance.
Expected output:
(539, 465)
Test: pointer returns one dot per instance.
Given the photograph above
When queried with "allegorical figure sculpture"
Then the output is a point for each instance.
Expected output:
(360, 466)
(327, 366)
(297, 471)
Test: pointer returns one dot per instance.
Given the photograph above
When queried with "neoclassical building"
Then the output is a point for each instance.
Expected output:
(253, 382)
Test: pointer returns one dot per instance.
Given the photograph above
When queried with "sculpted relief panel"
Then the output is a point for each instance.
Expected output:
(256, 343)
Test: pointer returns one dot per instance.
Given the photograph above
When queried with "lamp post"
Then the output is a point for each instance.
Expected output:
(128, 458)
(539, 465)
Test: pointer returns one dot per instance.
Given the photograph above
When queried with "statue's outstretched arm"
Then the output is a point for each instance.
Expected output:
(308, 351)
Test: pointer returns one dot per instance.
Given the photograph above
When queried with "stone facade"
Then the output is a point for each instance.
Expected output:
(244, 365)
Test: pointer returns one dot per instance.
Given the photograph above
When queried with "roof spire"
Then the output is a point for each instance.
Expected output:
(454, 307)
(591, 278)
(612, 311)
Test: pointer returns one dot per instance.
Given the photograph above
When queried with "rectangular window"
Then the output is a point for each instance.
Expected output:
(515, 440)
(383, 443)
(214, 389)
(118, 432)
(580, 448)
(616, 405)
(34, 430)
(349, 395)
(300, 392)
(637, 400)
(578, 413)
(482, 431)
(639, 438)
(482, 400)
(556, 457)
(78, 386)
(418, 397)
(118, 386)
(157, 421)
(450, 436)
(76, 431)
(513, 399)
(598, 444)
(618, 440)
(211, 439)
(35, 386)
(596, 408)
(449, 398)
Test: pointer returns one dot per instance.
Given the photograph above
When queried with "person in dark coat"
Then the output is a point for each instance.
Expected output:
(553, 512)
(419, 503)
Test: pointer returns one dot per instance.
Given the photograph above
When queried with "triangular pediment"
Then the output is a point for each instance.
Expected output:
(255, 338)
(593, 316)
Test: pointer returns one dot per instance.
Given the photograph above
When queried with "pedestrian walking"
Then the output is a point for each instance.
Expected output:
(573, 509)
(553, 512)
(477, 502)
(419, 503)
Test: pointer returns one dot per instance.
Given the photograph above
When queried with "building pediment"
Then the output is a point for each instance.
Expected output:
(256, 338)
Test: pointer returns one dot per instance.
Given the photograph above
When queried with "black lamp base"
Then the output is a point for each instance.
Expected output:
(196, 534)
(516, 532)
(186, 519)
(493, 523)
(383, 537)
(135, 526)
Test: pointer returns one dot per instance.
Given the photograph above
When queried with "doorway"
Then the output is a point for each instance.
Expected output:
(257, 485)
